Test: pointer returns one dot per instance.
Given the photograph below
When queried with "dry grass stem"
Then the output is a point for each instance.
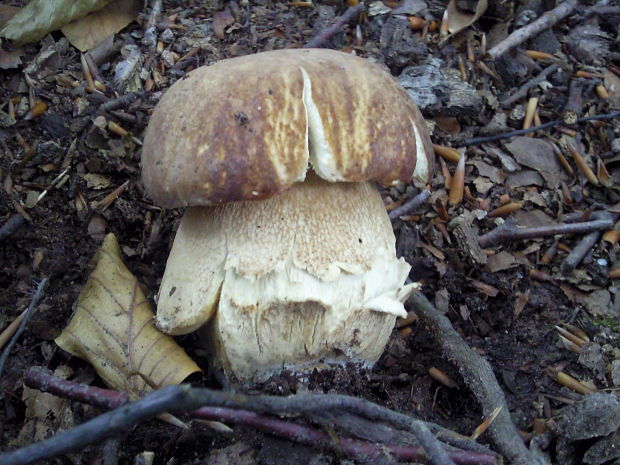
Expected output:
(569, 345)
(408, 320)
(8, 332)
(470, 52)
(416, 23)
(536, 55)
(573, 384)
(462, 68)
(458, 183)
(587, 74)
(482, 427)
(614, 273)
(441, 377)
(603, 174)
(506, 209)
(582, 165)
(612, 236)
(447, 153)
(447, 176)
(601, 91)
(87, 74)
(532, 104)
(36, 110)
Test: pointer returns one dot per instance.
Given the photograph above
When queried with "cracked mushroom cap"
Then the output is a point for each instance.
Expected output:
(247, 128)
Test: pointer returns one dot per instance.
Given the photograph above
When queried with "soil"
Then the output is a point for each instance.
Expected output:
(64, 229)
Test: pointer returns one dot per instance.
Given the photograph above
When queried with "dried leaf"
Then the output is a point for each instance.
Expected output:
(89, 31)
(113, 330)
(10, 59)
(40, 17)
(459, 20)
(6, 13)
(221, 19)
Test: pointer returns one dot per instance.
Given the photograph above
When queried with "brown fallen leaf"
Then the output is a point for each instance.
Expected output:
(459, 20)
(89, 31)
(221, 20)
(12, 59)
(113, 329)
(6, 13)
(40, 17)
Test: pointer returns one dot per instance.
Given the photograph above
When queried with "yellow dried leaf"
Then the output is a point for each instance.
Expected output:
(459, 20)
(40, 17)
(89, 31)
(113, 329)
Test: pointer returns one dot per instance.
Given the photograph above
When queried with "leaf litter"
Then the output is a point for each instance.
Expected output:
(511, 328)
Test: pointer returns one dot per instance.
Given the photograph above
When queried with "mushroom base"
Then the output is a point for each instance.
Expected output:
(306, 278)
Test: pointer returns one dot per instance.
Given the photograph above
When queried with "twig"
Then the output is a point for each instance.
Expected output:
(511, 231)
(574, 258)
(523, 90)
(410, 205)
(44, 380)
(547, 20)
(11, 225)
(109, 451)
(186, 398)
(332, 30)
(519, 132)
(478, 375)
(122, 101)
(150, 33)
(574, 103)
(33, 303)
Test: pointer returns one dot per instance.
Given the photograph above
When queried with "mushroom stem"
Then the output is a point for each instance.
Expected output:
(310, 275)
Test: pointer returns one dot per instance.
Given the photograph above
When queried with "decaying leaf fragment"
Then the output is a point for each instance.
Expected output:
(89, 31)
(40, 17)
(459, 20)
(113, 329)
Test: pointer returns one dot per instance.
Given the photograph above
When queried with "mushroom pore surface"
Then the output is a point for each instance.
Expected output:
(305, 276)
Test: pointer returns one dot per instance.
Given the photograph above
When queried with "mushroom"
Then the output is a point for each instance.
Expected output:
(285, 257)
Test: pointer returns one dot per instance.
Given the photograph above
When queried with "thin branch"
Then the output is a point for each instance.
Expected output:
(509, 230)
(410, 205)
(547, 20)
(574, 258)
(479, 377)
(11, 225)
(524, 89)
(335, 28)
(520, 132)
(33, 303)
(150, 33)
(185, 398)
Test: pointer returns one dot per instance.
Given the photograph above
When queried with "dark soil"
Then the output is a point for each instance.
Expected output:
(65, 228)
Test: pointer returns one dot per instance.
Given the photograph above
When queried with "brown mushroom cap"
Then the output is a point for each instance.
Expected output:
(247, 128)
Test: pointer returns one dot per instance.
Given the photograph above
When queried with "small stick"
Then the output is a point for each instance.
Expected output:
(478, 376)
(122, 101)
(520, 132)
(185, 398)
(11, 225)
(510, 231)
(11, 328)
(411, 205)
(150, 33)
(523, 90)
(574, 103)
(457, 183)
(547, 20)
(335, 28)
(33, 303)
(529, 112)
(574, 258)
(44, 380)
